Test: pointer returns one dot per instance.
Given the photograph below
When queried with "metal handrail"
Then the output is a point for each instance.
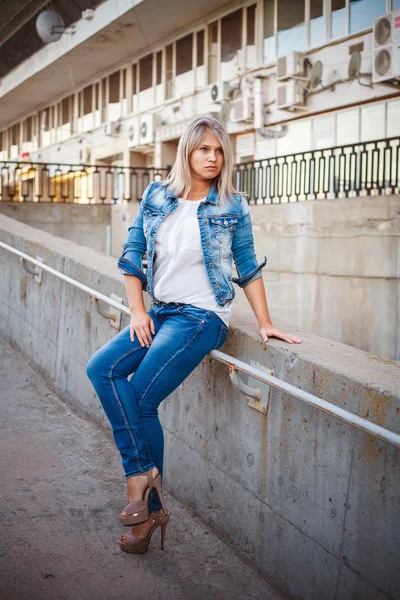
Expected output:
(234, 363)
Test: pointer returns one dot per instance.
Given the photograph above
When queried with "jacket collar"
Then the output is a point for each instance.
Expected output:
(213, 196)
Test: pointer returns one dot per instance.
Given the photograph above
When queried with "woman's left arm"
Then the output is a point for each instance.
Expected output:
(255, 293)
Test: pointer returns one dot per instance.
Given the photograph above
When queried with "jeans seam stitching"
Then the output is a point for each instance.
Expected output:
(166, 364)
(121, 407)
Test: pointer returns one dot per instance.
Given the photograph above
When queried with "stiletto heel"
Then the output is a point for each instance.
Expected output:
(130, 543)
(157, 486)
(163, 530)
(137, 510)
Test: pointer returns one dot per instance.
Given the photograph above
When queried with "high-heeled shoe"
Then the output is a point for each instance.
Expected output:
(137, 510)
(130, 543)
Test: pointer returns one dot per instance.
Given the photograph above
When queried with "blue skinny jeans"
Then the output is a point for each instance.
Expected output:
(185, 334)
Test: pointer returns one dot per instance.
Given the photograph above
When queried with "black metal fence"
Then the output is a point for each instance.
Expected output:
(100, 184)
(365, 168)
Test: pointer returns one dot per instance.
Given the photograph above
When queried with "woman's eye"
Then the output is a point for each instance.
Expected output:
(220, 151)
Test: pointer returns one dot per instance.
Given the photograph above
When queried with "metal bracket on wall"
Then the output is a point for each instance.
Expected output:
(113, 315)
(257, 397)
(36, 271)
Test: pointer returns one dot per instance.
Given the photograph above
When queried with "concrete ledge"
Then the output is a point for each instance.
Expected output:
(311, 500)
(81, 223)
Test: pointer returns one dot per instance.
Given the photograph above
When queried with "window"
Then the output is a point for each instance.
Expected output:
(184, 54)
(393, 118)
(103, 99)
(97, 96)
(66, 110)
(231, 35)
(87, 99)
(373, 113)
(269, 28)
(363, 12)
(134, 79)
(27, 133)
(158, 67)
(213, 52)
(251, 25)
(113, 82)
(145, 73)
(395, 4)
(291, 26)
(347, 127)
(317, 24)
(200, 48)
(15, 135)
(169, 71)
(338, 18)
(124, 84)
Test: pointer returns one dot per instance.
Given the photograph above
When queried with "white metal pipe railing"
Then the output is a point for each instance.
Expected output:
(327, 407)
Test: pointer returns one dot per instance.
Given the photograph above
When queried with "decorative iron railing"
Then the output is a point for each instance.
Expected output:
(82, 184)
(343, 171)
(365, 168)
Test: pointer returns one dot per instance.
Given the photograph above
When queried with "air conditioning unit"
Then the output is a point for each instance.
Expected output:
(112, 128)
(243, 109)
(220, 91)
(290, 95)
(289, 65)
(386, 40)
(133, 134)
(147, 129)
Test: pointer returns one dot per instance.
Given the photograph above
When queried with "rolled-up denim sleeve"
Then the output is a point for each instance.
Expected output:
(243, 250)
(130, 261)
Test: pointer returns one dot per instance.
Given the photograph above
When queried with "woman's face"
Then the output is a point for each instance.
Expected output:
(206, 159)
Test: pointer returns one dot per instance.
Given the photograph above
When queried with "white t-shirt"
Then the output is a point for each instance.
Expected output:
(179, 271)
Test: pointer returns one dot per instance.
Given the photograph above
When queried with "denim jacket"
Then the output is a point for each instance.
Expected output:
(226, 234)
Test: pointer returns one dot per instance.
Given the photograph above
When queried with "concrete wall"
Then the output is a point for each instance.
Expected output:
(84, 224)
(313, 501)
(333, 267)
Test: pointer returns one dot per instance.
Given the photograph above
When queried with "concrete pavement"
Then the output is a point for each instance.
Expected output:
(61, 488)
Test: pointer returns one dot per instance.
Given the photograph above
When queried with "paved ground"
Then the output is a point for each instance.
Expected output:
(60, 493)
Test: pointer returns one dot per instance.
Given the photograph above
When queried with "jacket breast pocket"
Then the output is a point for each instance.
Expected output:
(223, 228)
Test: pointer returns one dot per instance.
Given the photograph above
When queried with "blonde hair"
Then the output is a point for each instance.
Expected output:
(179, 178)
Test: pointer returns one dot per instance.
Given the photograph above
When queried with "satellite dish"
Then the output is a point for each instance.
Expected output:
(214, 92)
(383, 30)
(49, 26)
(354, 66)
(383, 62)
(316, 74)
(131, 133)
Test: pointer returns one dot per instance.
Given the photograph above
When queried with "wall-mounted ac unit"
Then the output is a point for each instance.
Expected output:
(290, 95)
(220, 91)
(289, 65)
(133, 134)
(147, 129)
(112, 128)
(386, 40)
(243, 109)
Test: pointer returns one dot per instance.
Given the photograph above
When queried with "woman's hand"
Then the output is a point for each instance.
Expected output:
(143, 326)
(271, 331)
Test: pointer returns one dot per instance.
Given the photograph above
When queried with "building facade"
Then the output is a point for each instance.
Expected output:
(284, 76)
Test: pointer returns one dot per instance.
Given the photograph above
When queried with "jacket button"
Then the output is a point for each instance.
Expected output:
(210, 264)
(207, 243)
(206, 222)
(217, 284)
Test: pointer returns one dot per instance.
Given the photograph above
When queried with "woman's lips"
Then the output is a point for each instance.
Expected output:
(212, 168)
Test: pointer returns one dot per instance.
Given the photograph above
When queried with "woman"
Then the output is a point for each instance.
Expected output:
(192, 226)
